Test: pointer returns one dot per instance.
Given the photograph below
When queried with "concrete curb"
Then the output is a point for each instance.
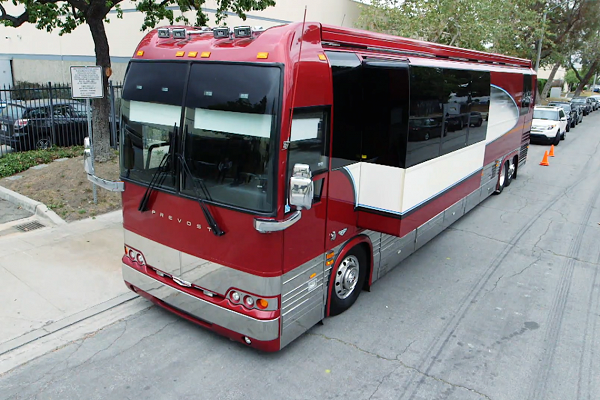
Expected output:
(54, 327)
(31, 205)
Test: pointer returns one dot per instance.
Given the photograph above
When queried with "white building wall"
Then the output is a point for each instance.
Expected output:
(39, 56)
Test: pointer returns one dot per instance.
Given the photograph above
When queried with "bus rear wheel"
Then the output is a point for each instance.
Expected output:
(504, 178)
(348, 280)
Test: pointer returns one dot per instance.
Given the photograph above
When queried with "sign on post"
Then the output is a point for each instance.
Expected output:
(87, 82)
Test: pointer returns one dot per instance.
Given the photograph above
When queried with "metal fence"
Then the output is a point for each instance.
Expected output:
(34, 116)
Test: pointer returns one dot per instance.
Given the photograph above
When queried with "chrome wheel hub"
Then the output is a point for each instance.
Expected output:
(511, 170)
(502, 176)
(346, 277)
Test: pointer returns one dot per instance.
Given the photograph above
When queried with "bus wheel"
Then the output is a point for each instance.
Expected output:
(502, 178)
(516, 165)
(510, 172)
(348, 281)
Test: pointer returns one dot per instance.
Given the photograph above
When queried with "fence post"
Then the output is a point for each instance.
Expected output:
(113, 123)
(52, 127)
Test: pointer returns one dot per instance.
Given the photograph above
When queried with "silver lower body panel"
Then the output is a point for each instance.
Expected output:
(264, 330)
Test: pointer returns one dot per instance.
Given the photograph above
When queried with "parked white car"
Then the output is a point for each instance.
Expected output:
(549, 125)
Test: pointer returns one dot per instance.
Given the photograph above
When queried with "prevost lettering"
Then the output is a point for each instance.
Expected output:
(179, 220)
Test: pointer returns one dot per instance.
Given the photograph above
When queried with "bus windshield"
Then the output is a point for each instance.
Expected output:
(224, 125)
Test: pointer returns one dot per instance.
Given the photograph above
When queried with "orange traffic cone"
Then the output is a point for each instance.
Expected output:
(551, 154)
(545, 160)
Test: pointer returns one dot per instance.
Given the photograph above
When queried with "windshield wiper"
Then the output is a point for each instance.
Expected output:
(214, 227)
(161, 172)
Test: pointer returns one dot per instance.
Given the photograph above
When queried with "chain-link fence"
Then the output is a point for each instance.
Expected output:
(38, 116)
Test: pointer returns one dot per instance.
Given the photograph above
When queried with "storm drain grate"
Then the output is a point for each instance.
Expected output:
(29, 226)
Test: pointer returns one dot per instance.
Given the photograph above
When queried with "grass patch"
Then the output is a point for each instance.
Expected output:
(13, 163)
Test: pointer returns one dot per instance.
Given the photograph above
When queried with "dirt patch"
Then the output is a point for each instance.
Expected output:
(63, 187)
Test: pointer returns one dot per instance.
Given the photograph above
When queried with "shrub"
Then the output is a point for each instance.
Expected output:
(13, 163)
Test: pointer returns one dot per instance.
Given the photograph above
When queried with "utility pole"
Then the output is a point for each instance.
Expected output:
(539, 54)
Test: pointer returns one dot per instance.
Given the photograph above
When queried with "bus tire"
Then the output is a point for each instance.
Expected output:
(347, 280)
(516, 164)
(510, 169)
(502, 178)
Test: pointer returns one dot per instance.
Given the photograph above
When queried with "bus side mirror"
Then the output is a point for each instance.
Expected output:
(301, 187)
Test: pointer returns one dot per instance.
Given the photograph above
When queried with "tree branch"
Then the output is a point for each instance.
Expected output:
(14, 21)
(575, 70)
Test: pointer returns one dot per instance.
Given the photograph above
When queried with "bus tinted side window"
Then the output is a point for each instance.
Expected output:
(425, 124)
(456, 97)
(480, 106)
(347, 112)
(386, 92)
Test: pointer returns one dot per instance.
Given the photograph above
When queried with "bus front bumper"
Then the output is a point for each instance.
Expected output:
(262, 334)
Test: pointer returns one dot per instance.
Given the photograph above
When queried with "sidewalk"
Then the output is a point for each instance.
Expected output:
(54, 277)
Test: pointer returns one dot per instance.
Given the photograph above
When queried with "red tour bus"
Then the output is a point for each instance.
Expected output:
(269, 176)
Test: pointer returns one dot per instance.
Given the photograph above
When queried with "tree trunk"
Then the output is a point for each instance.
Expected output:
(548, 84)
(587, 77)
(101, 107)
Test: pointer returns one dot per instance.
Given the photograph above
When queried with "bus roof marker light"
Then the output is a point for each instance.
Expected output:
(192, 54)
(221, 33)
(178, 33)
(140, 53)
(205, 54)
(262, 55)
(242, 31)
(322, 57)
(180, 54)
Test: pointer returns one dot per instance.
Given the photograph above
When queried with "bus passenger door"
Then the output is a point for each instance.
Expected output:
(304, 242)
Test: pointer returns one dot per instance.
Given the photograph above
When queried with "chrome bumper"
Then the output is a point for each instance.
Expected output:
(264, 330)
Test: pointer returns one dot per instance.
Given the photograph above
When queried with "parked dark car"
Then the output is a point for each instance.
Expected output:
(579, 109)
(476, 119)
(595, 103)
(39, 124)
(420, 129)
(572, 114)
(584, 103)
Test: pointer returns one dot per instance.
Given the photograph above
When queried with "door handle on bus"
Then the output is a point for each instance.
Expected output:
(270, 225)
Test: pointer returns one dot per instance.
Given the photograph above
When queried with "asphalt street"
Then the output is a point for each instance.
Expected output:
(503, 305)
(10, 212)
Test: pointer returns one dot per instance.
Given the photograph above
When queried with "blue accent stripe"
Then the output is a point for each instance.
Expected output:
(353, 184)
(509, 95)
